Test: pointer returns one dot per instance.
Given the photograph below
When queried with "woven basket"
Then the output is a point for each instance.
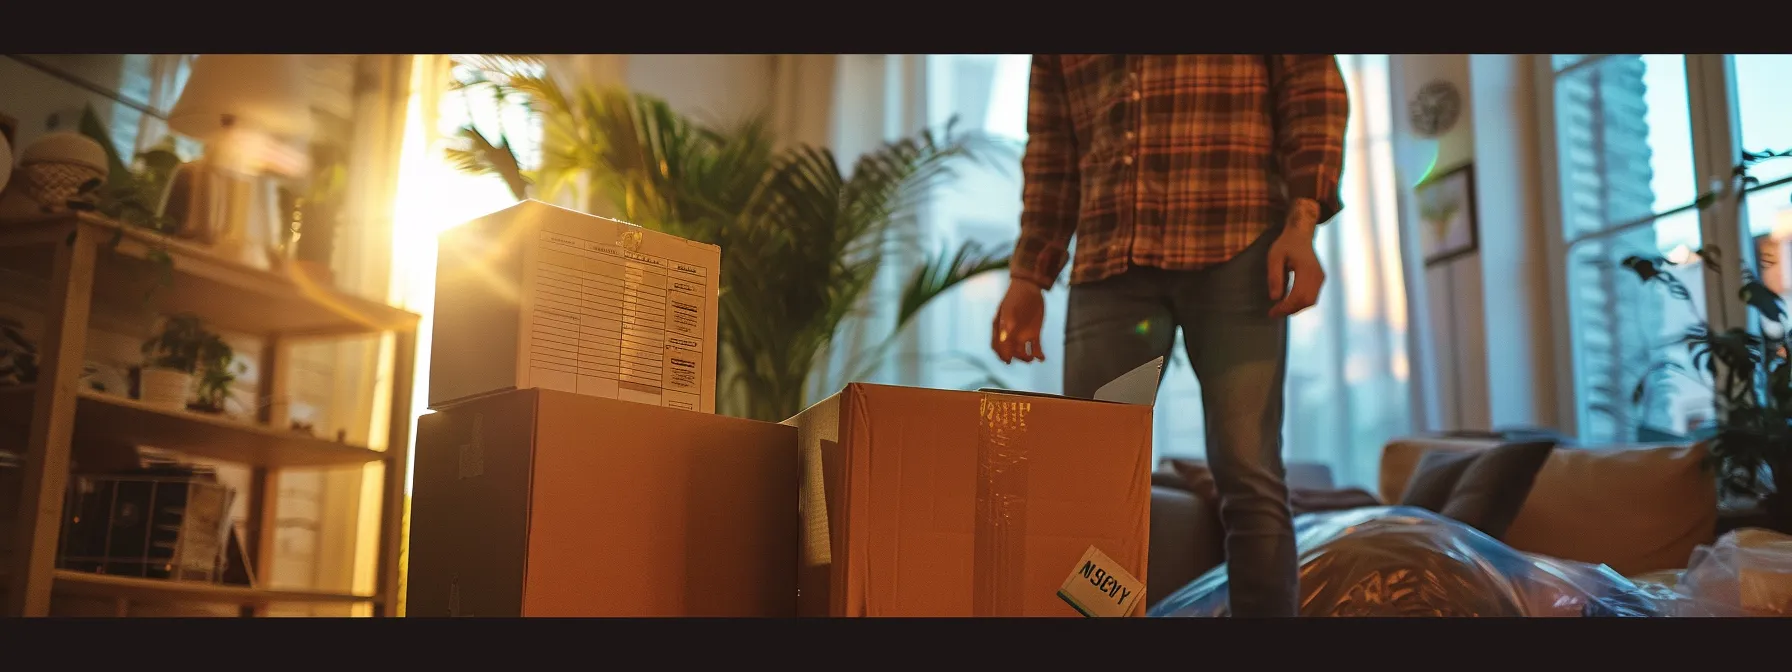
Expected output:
(53, 183)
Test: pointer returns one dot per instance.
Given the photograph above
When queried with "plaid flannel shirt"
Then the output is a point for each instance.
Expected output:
(1172, 161)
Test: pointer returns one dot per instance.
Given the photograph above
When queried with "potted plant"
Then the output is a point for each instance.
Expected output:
(182, 350)
(804, 235)
(135, 194)
(1749, 371)
(319, 212)
(215, 377)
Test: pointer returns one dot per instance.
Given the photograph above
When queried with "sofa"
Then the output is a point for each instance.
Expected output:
(1637, 509)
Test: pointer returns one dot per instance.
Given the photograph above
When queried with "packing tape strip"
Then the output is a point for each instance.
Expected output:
(1000, 530)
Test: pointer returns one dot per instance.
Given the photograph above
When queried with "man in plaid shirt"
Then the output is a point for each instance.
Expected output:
(1193, 185)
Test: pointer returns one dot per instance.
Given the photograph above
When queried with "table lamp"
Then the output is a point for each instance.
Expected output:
(253, 112)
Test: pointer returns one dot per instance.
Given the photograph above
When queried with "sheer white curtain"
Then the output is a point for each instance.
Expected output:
(876, 98)
(1348, 388)
(986, 93)
(1347, 376)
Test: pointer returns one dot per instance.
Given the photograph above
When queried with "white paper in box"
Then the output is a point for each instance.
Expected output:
(537, 296)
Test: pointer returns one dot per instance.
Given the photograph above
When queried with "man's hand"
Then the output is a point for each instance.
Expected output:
(1293, 253)
(1015, 334)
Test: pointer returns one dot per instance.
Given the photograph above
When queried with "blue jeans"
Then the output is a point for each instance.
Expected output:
(1239, 353)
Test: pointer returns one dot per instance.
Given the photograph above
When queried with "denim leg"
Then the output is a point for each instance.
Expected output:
(1113, 326)
(1239, 353)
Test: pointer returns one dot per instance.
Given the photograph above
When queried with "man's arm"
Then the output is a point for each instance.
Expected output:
(1311, 110)
(1052, 190)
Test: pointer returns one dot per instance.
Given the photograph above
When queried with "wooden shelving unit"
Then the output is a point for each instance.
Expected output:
(83, 261)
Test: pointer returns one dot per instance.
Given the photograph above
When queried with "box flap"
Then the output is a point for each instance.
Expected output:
(466, 399)
(1137, 387)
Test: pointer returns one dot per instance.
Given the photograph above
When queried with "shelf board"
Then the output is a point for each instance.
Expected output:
(109, 418)
(229, 295)
(154, 590)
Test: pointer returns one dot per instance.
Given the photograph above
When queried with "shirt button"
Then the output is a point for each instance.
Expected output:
(1126, 159)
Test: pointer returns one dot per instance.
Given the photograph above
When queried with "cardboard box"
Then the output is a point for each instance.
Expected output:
(544, 503)
(536, 296)
(922, 502)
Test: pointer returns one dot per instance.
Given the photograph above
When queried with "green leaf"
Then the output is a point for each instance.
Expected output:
(939, 274)
(1763, 300)
(118, 174)
(160, 161)
(484, 156)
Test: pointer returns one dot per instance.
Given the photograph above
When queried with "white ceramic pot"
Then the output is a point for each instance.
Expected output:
(55, 167)
(166, 388)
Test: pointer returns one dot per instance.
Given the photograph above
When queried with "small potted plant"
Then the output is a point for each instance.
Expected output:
(182, 350)
(215, 376)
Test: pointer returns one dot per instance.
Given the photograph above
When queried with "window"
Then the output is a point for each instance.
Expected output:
(1347, 376)
(988, 93)
(1763, 100)
(1630, 163)
(434, 195)
(1625, 146)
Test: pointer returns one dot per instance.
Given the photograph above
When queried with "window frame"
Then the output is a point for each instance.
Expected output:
(1716, 146)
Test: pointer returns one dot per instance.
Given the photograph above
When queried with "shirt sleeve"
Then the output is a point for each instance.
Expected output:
(1312, 108)
(1052, 190)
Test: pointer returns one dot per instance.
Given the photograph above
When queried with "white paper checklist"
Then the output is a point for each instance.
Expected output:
(539, 296)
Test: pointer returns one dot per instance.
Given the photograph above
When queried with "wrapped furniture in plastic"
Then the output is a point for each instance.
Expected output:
(1405, 561)
(1749, 570)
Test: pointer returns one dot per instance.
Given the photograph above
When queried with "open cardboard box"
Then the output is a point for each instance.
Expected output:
(920, 502)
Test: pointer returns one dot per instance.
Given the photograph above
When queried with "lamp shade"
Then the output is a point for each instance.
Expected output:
(269, 93)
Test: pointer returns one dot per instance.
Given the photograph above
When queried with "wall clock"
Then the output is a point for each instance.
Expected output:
(1435, 110)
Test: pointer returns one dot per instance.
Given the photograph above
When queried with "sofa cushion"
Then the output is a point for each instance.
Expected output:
(1400, 458)
(1186, 541)
(1434, 477)
(1483, 489)
(1309, 475)
(1638, 510)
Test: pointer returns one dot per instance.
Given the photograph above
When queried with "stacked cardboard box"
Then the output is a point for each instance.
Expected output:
(899, 502)
(540, 490)
(546, 503)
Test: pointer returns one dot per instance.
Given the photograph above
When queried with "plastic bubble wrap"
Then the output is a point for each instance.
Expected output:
(1404, 561)
(1749, 570)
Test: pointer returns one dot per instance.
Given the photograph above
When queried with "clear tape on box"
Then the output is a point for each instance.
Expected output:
(1000, 539)
(1405, 561)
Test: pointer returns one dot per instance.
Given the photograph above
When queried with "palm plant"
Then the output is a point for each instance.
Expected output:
(803, 240)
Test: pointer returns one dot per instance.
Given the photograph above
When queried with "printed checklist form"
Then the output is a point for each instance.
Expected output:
(536, 296)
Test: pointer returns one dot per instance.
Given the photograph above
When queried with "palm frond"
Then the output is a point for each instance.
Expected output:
(499, 65)
(938, 274)
(803, 241)
(477, 154)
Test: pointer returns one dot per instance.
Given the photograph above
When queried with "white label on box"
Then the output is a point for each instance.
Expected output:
(616, 323)
(1100, 587)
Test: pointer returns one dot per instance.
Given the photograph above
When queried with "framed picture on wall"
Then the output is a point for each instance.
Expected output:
(1448, 227)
